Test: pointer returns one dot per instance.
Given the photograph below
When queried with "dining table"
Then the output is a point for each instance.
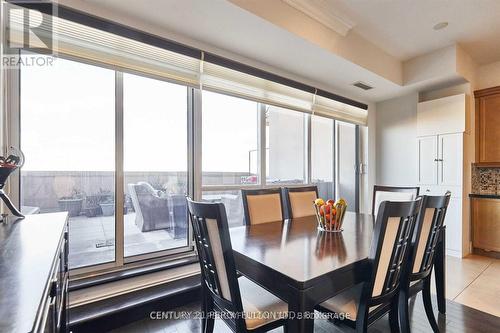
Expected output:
(305, 266)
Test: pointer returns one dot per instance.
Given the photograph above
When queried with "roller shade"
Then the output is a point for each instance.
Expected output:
(225, 80)
(330, 108)
(79, 40)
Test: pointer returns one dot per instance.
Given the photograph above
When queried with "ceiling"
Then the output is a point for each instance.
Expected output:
(406, 32)
(404, 28)
(228, 27)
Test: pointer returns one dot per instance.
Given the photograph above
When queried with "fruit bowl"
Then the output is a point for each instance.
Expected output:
(330, 215)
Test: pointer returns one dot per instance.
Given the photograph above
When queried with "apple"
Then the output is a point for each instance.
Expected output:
(330, 202)
(325, 209)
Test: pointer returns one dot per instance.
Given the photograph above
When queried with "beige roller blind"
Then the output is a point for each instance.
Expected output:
(225, 80)
(330, 108)
(81, 41)
(77, 40)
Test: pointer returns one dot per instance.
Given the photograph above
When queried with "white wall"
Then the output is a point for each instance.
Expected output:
(396, 150)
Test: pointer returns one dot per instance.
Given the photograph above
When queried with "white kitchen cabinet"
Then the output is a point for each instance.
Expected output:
(440, 160)
(440, 148)
(427, 156)
(440, 169)
(453, 223)
(442, 115)
(450, 164)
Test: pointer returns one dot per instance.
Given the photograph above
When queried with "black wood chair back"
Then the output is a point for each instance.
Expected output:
(417, 274)
(380, 188)
(302, 210)
(218, 270)
(262, 205)
(426, 236)
(389, 253)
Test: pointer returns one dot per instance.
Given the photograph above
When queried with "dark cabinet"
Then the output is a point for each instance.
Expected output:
(56, 319)
(34, 274)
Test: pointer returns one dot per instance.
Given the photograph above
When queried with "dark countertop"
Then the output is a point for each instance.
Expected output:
(486, 196)
(28, 249)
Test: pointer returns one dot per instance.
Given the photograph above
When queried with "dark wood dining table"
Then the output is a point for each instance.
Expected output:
(304, 266)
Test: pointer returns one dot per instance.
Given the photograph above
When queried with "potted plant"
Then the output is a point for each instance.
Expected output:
(71, 203)
(107, 203)
(91, 206)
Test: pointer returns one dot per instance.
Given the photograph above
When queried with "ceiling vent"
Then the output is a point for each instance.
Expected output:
(362, 85)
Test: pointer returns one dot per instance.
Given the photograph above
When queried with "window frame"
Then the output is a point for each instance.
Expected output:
(195, 187)
(120, 261)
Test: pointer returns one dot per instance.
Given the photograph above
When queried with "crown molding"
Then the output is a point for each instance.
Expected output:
(323, 13)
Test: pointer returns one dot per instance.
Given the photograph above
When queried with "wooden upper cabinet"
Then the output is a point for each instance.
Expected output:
(488, 125)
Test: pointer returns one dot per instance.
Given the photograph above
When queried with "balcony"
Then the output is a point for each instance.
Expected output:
(92, 227)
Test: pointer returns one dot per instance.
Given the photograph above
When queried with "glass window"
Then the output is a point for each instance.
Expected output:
(155, 165)
(229, 140)
(322, 153)
(68, 137)
(232, 202)
(346, 163)
(285, 142)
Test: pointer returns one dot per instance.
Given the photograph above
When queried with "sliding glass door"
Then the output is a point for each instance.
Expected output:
(155, 135)
(120, 151)
(67, 133)
(322, 155)
(68, 116)
(230, 151)
(347, 160)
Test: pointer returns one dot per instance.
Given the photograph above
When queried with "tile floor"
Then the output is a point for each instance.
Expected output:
(474, 281)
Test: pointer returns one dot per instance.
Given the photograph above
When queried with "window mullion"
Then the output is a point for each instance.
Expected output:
(262, 144)
(119, 172)
(196, 147)
(307, 147)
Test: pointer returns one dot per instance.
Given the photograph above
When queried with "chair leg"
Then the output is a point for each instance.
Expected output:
(362, 324)
(208, 322)
(404, 317)
(426, 295)
(393, 316)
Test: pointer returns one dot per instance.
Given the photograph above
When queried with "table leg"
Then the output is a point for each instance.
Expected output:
(440, 272)
(301, 314)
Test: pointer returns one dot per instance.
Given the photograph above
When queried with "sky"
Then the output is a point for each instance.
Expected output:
(68, 122)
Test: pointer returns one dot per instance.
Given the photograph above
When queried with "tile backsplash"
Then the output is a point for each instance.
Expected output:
(485, 180)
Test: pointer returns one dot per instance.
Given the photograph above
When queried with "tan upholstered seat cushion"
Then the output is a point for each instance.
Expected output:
(260, 306)
(264, 208)
(347, 302)
(302, 203)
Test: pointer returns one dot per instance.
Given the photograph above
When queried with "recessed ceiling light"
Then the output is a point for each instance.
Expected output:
(440, 25)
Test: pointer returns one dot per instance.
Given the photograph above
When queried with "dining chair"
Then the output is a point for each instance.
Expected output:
(262, 205)
(242, 304)
(392, 193)
(299, 201)
(378, 293)
(417, 275)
